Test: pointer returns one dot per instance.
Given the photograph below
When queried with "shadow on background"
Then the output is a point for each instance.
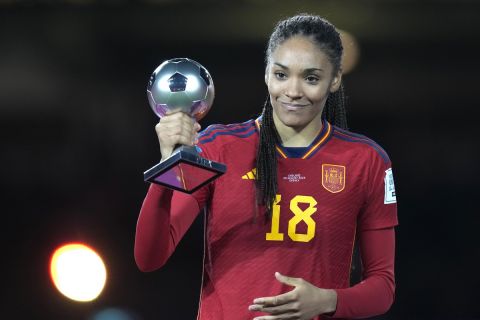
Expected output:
(77, 134)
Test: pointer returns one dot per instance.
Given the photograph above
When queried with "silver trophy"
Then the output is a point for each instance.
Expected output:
(184, 85)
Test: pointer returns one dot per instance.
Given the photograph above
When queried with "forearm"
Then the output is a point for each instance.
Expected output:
(369, 298)
(164, 218)
(153, 244)
(376, 293)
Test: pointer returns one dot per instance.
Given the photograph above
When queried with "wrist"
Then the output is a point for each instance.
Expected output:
(331, 302)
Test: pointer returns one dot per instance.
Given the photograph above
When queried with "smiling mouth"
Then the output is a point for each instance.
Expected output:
(293, 106)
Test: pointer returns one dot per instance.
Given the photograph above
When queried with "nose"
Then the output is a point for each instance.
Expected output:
(293, 89)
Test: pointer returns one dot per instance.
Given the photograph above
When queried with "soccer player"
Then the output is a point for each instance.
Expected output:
(299, 190)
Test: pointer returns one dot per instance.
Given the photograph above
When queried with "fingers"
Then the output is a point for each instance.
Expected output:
(283, 298)
(288, 280)
(174, 132)
(282, 317)
(275, 310)
(279, 300)
(176, 128)
(285, 304)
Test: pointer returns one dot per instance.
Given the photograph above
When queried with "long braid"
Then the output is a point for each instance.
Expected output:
(324, 34)
(266, 176)
(266, 161)
(335, 111)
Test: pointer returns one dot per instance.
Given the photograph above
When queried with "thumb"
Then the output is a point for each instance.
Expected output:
(287, 280)
(197, 127)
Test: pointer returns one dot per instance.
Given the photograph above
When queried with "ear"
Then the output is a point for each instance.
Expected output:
(336, 81)
(266, 75)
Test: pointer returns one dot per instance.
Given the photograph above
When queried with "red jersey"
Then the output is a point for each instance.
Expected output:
(340, 185)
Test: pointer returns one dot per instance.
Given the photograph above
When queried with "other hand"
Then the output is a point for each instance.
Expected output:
(304, 302)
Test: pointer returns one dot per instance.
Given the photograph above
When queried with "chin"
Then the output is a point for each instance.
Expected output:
(293, 121)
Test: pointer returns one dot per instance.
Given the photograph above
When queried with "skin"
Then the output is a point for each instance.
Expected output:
(303, 302)
(299, 78)
(176, 128)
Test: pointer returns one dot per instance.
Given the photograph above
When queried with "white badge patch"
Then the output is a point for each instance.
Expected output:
(390, 196)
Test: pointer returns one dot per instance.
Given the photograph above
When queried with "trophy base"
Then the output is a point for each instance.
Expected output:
(184, 171)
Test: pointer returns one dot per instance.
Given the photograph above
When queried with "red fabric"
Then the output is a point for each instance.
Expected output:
(164, 218)
(375, 294)
(328, 199)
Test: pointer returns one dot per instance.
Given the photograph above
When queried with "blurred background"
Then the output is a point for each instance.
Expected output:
(77, 134)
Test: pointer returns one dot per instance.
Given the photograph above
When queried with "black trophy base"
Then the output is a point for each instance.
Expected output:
(184, 171)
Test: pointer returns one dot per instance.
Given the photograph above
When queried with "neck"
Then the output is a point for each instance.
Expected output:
(298, 136)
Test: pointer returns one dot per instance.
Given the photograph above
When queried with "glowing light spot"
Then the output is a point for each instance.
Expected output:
(162, 84)
(113, 314)
(351, 51)
(192, 84)
(78, 272)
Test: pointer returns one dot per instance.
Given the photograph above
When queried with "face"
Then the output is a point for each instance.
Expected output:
(299, 77)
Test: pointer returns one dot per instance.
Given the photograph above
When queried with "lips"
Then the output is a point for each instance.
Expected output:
(293, 106)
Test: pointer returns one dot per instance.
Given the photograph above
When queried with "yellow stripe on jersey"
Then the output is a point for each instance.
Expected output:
(250, 175)
(281, 152)
(312, 149)
(329, 128)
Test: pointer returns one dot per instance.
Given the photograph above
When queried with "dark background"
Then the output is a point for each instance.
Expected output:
(77, 134)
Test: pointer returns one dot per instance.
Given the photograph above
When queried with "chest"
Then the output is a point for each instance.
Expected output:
(314, 200)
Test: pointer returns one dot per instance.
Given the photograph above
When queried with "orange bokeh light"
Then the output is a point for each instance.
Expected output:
(78, 272)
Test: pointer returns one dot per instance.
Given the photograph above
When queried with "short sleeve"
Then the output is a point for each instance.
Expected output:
(380, 208)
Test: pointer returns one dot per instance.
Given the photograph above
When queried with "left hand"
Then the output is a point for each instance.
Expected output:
(304, 302)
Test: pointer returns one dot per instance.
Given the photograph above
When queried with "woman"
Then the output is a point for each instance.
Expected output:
(299, 191)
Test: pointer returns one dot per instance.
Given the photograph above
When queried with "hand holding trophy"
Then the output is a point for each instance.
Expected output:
(182, 85)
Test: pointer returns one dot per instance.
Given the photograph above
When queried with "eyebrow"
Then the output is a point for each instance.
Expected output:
(306, 70)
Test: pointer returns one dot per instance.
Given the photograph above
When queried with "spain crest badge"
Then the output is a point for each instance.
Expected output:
(333, 177)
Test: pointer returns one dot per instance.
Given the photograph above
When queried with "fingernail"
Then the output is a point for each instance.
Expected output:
(259, 301)
(253, 307)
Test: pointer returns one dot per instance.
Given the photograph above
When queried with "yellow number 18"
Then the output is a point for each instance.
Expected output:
(299, 215)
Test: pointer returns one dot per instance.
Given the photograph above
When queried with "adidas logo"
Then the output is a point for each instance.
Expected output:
(250, 175)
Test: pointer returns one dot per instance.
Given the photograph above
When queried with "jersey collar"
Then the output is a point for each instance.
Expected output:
(322, 137)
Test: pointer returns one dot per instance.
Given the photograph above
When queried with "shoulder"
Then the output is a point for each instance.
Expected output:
(227, 133)
(360, 142)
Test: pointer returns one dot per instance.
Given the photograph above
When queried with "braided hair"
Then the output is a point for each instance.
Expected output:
(327, 38)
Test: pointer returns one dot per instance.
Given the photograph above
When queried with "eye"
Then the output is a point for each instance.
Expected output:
(312, 79)
(280, 75)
